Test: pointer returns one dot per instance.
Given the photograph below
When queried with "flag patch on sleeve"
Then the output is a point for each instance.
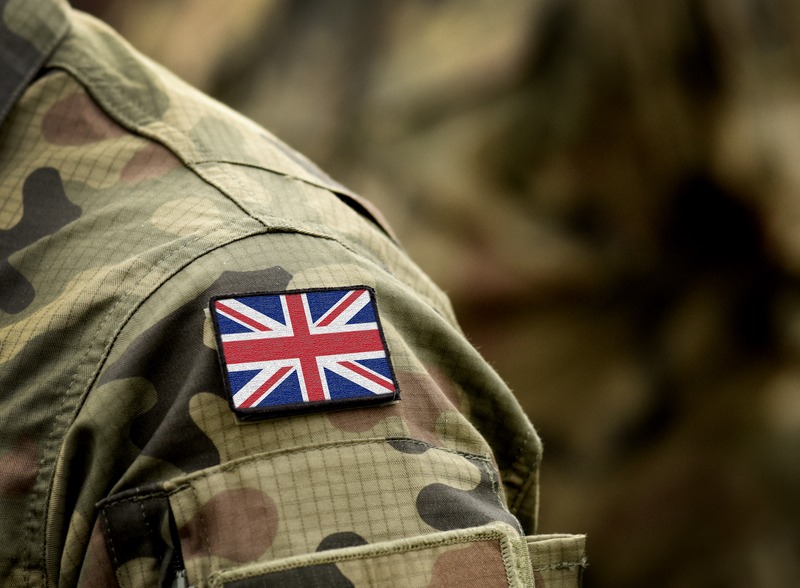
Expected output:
(302, 351)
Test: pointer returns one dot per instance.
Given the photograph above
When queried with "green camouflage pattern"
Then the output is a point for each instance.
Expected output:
(128, 200)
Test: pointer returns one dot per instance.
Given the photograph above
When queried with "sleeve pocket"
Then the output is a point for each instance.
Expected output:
(372, 512)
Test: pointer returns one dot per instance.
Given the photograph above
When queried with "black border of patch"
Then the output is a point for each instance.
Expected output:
(302, 407)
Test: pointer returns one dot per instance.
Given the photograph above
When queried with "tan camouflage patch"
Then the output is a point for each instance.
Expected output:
(185, 216)
(557, 561)
(24, 577)
(453, 426)
(209, 338)
(139, 572)
(361, 420)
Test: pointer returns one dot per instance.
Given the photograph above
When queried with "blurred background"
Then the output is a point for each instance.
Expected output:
(609, 191)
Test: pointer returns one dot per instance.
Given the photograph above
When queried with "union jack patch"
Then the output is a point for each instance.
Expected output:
(304, 350)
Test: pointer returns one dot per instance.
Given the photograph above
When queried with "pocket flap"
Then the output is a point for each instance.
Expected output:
(557, 561)
(489, 556)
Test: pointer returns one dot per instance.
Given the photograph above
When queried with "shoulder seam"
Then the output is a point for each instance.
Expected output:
(90, 72)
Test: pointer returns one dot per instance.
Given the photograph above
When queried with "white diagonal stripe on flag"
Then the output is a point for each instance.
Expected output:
(250, 317)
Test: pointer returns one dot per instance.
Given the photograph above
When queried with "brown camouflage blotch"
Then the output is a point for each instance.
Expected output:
(360, 420)
(18, 468)
(538, 579)
(151, 161)
(447, 386)
(77, 120)
(480, 564)
(218, 526)
(423, 399)
(97, 570)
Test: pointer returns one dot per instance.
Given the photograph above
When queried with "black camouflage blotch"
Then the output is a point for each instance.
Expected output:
(340, 540)
(46, 209)
(320, 576)
(132, 528)
(171, 356)
(408, 446)
(447, 508)
(16, 292)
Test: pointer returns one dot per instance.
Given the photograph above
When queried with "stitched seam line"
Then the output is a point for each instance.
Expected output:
(488, 535)
(51, 439)
(60, 415)
(89, 81)
(571, 565)
(508, 559)
(494, 478)
(136, 498)
(235, 464)
(110, 542)
(516, 502)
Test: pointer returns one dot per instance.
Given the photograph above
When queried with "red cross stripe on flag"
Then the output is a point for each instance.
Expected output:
(305, 350)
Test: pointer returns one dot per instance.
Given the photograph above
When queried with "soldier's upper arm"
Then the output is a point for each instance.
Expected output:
(407, 492)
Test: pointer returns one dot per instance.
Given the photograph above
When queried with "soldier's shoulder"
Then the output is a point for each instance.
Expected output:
(215, 142)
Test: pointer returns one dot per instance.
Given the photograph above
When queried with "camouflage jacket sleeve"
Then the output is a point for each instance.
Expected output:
(408, 492)
(129, 202)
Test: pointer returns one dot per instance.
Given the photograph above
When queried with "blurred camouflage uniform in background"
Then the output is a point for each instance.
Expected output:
(128, 201)
(608, 192)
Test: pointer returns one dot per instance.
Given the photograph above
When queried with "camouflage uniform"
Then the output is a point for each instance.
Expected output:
(128, 200)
